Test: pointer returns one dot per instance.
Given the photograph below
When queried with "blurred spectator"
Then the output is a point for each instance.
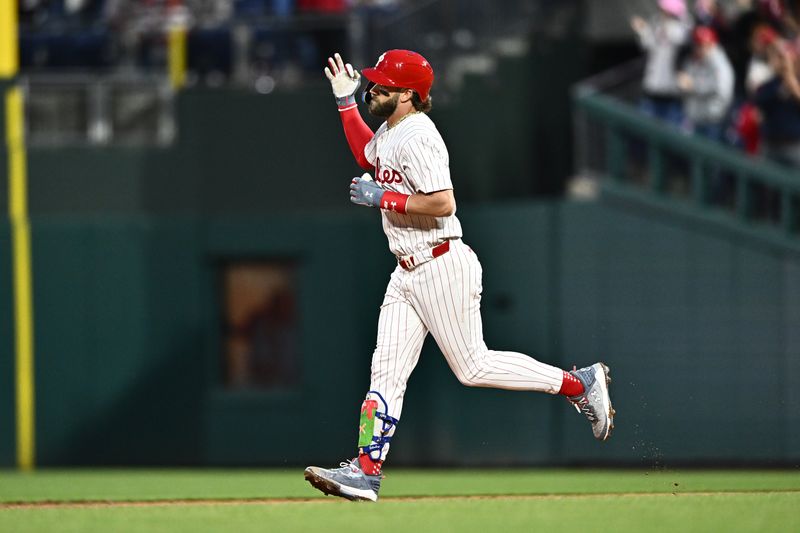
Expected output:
(662, 38)
(711, 14)
(707, 85)
(743, 21)
(778, 101)
(209, 13)
(65, 13)
(31, 13)
(746, 124)
(139, 27)
(758, 69)
(322, 6)
(746, 119)
(371, 14)
(774, 12)
(328, 34)
(210, 40)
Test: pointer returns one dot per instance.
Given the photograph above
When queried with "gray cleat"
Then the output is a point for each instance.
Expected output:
(595, 402)
(348, 481)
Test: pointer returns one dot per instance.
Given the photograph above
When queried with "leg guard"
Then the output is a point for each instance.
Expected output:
(372, 437)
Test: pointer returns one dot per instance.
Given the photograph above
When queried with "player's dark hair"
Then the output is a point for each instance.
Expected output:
(419, 105)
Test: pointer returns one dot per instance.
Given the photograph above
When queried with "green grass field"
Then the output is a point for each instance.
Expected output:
(411, 501)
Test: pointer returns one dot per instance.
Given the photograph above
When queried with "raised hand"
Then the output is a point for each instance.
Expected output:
(344, 80)
(638, 24)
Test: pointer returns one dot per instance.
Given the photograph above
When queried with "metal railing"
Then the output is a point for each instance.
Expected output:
(98, 109)
(640, 159)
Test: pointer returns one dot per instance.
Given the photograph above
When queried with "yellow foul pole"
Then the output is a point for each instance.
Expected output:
(20, 235)
(176, 44)
(8, 39)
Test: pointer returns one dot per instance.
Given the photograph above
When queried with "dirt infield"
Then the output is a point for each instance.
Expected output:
(317, 500)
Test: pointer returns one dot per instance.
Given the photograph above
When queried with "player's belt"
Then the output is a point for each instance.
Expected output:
(410, 262)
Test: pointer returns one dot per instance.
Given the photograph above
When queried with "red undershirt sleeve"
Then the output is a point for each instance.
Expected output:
(358, 134)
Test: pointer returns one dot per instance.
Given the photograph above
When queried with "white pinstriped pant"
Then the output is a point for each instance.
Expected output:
(443, 297)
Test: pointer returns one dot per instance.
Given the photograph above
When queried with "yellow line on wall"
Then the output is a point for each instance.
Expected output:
(23, 280)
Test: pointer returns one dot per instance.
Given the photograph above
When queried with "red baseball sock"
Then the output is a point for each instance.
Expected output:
(370, 467)
(571, 386)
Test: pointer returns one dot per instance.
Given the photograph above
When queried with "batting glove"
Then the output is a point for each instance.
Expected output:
(364, 191)
(344, 80)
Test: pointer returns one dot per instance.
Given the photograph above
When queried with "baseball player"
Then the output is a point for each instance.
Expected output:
(436, 286)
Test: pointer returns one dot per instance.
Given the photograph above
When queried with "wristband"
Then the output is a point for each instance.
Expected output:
(345, 102)
(394, 201)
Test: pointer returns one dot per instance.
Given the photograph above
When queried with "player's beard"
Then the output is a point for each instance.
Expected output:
(383, 109)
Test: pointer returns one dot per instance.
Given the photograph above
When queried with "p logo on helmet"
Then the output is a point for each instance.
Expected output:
(401, 68)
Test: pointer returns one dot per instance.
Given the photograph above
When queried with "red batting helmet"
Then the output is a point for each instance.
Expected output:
(402, 68)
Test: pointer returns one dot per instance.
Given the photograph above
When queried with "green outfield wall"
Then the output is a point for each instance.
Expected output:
(7, 431)
(698, 321)
(699, 327)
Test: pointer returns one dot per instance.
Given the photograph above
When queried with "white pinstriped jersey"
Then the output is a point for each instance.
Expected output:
(409, 158)
(440, 296)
